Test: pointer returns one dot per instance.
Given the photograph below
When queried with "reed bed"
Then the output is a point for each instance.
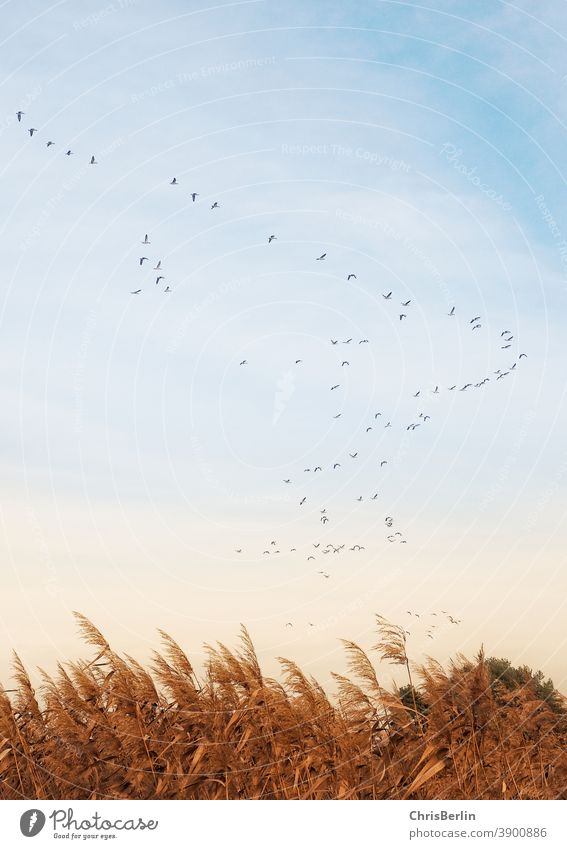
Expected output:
(110, 728)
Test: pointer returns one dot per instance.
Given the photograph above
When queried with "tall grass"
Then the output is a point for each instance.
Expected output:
(109, 728)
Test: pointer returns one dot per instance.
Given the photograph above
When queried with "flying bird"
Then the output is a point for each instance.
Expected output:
(32, 130)
(353, 455)
(136, 292)
(402, 315)
(387, 297)
(69, 152)
(194, 196)
(161, 277)
(19, 114)
(244, 363)
(93, 161)
(351, 277)
(215, 205)
(156, 267)
(271, 239)
(336, 386)
(303, 500)
(452, 311)
(143, 259)
(146, 241)
(476, 318)
(319, 258)
(49, 143)
(173, 182)
(345, 363)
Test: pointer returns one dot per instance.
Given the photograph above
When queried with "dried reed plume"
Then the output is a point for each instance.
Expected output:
(109, 728)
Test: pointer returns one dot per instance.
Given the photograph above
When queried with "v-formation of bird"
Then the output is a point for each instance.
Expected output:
(475, 324)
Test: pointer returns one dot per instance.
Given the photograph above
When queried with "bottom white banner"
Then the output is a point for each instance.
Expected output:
(251, 824)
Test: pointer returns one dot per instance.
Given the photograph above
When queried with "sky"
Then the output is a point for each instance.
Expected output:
(421, 148)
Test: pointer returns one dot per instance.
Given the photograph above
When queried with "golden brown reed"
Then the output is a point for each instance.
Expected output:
(111, 729)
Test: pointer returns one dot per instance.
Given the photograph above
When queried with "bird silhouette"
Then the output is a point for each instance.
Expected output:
(194, 196)
(388, 296)
(271, 239)
(351, 277)
(319, 258)
(19, 114)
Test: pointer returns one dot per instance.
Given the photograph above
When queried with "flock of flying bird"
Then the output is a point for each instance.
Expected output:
(475, 324)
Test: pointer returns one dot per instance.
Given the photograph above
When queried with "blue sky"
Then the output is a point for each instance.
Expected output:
(420, 147)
